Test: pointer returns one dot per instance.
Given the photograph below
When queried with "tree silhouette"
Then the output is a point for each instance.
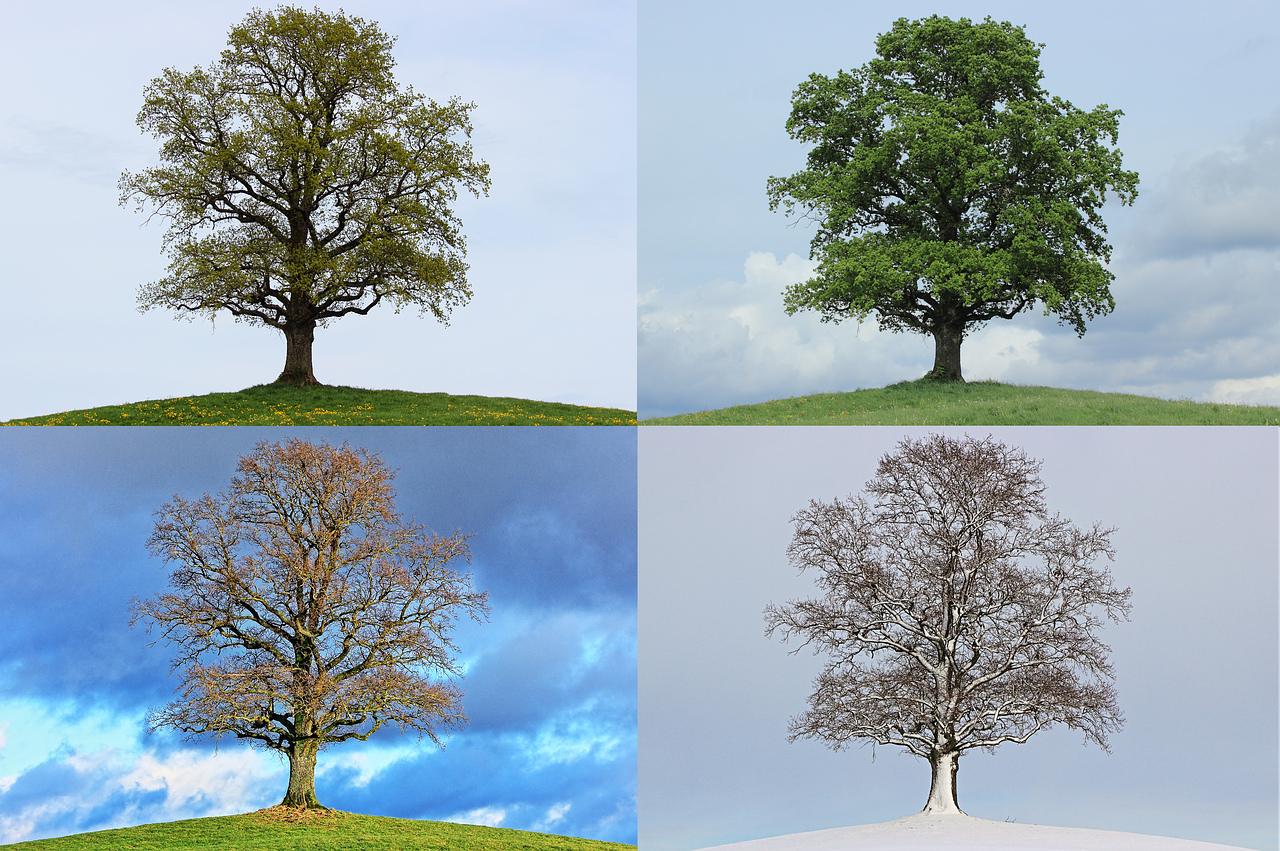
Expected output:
(306, 611)
(950, 189)
(957, 612)
(302, 184)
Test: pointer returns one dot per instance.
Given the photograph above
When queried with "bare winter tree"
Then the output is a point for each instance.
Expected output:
(306, 610)
(957, 613)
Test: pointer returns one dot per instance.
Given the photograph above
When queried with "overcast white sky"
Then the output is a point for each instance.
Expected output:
(1196, 259)
(552, 249)
(1196, 667)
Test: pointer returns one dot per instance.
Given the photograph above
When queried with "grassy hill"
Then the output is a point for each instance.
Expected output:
(279, 829)
(926, 402)
(279, 404)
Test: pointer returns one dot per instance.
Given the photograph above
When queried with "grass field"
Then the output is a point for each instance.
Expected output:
(925, 402)
(279, 829)
(278, 404)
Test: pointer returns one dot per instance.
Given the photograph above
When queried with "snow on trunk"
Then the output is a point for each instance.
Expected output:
(942, 794)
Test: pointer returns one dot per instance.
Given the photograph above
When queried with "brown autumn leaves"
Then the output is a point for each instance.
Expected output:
(306, 611)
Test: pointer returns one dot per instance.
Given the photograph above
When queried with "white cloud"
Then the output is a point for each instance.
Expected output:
(486, 816)
(195, 784)
(366, 764)
(1180, 327)
(1246, 391)
(995, 349)
(228, 781)
(572, 739)
(555, 814)
(730, 342)
(36, 724)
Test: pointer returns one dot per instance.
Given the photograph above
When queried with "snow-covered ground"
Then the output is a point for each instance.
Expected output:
(930, 832)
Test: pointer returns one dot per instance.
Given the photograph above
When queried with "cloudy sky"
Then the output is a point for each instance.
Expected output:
(551, 250)
(1196, 667)
(551, 679)
(1196, 259)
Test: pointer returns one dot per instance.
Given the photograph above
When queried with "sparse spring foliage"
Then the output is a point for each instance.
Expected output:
(956, 612)
(306, 611)
(302, 184)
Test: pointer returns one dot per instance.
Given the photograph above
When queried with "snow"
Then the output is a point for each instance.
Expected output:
(936, 832)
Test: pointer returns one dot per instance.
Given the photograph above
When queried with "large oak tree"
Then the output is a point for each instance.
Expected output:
(957, 613)
(950, 188)
(306, 612)
(302, 184)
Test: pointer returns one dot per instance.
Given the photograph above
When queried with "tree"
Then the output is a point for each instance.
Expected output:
(950, 189)
(307, 612)
(302, 184)
(977, 601)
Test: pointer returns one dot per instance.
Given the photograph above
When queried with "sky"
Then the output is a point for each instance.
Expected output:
(550, 684)
(1196, 258)
(1196, 515)
(551, 249)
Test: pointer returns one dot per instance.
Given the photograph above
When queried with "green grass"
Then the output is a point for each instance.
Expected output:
(279, 404)
(276, 829)
(926, 402)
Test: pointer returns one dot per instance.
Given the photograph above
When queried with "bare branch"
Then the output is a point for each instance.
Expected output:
(304, 609)
(980, 604)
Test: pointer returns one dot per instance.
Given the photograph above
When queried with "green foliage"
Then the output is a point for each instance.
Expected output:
(929, 402)
(280, 404)
(300, 183)
(949, 188)
(326, 830)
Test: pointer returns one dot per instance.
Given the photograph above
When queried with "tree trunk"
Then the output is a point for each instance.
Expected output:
(946, 353)
(298, 335)
(302, 775)
(942, 794)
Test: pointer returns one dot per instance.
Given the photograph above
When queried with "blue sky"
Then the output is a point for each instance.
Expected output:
(1196, 514)
(551, 679)
(551, 250)
(1196, 259)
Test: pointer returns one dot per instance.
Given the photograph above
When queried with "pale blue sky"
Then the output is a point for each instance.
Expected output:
(1196, 259)
(552, 249)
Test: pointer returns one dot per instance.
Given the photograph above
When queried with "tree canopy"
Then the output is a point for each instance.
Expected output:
(306, 611)
(302, 184)
(957, 613)
(949, 188)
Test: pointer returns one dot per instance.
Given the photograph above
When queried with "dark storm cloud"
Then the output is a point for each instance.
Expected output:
(552, 512)
(542, 669)
(557, 508)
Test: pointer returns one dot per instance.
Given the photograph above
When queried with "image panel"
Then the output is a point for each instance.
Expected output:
(431, 198)
(1174, 532)
(839, 201)
(448, 615)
